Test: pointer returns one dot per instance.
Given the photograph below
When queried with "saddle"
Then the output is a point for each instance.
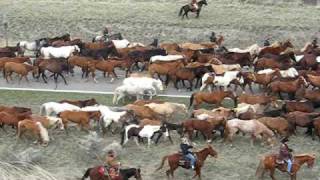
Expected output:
(110, 172)
(185, 162)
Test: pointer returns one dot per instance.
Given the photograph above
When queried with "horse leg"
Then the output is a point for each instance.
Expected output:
(272, 174)
(136, 140)
(191, 84)
(65, 82)
(160, 135)
(44, 77)
(55, 77)
(198, 173)
(21, 76)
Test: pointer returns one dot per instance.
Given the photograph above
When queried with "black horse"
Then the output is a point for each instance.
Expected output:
(187, 8)
(125, 173)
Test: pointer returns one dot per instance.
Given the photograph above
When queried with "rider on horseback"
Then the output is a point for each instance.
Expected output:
(194, 5)
(266, 42)
(105, 33)
(113, 166)
(185, 146)
(213, 37)
(285, 154)
(315, 42)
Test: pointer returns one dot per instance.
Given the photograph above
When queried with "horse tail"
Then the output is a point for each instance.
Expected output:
(191, 100)
(181, 10)
(162, 163)
(260, 169)
(86, 174)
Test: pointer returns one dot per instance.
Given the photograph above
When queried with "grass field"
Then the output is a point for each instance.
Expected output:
(67, 157)
(141, 20)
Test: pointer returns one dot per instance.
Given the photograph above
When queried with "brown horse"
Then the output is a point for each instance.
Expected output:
(4, 60)
(164, 68)
(81, 103)
(36, 128)
(215, 97)
(97, 173)
(82, 118)
(107, 66)
(314, 80)
(289, 87)
(20, 69)
(316, 125)
(282, 61)
(82, 62)
(301, 119)
(60, 43)
(143, 112)
(276, 50)
(9, 51)
(205, 58)
(154, 122)
(244, 59)
(144, 102)
(203, 126)
(173, 161)
(256, 99)
(303, 106)
(269, 163)
(261, 79)
(12, 119)
(277, 124)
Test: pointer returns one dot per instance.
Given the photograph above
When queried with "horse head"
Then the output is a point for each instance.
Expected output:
(287, 44)
(203, 2)
(212, 152)
(158, 84)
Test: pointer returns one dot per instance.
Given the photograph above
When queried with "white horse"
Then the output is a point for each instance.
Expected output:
(133, 90)
(147, 131)
(253, 50)
(54, 107)
(109, 116)
(31, 46)
(222, 81)
(144, 82)
(58, 52)
(120, 44)
(167, 109)
(253, 127)
(166, 58)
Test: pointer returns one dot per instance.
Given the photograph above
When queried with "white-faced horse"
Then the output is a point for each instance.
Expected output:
(59, 52)
(54, 107)
(147, 131)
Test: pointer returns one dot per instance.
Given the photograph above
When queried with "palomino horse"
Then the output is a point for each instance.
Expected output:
(269, 163)
(20, 69)
(168, 109)
(187, 8)
(97, 173)
(36, 128)
(215, 97)
(174, 161)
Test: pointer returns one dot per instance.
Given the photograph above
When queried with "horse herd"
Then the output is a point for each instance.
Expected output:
(276, 69)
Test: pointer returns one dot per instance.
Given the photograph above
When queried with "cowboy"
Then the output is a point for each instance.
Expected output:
(285, 154)
(105, 33)
(194, 5)
(315, 42)
(213, 37)
(113, 166)
(266, 42)
(185, 146)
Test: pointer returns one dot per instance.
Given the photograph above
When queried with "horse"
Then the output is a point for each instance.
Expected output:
(254, 127)
(316, 125)
(49, 122)
(4, 60)
(60, 43)
(54, 107)
(15, 109)
(269, 163)
(220, 113)
(107, 38)
(36, 128)
(222, 68)
(144, 82)
(64, 37)
(34, 46)
(97, 173)
(314, 80)
(106, 67)
(263, 79)
(215, 97)
(9, 51)
(276, 124)
(289, 87)
(301, 119)
(205, 58)
(303, 106)
(10, 119)
(202, 126)
(187, 8)
(55, 66)
(225, 80)
(80, 61)
(133, 90)
(282, 61)
(147, 131)
(164, 68)
(167, 58)
(144, 55)
(256, 99)
(276, 50)
(167, 109)
(82, 118)
(81, 103)
(144, 112)
(144, 102)
(174, 161)
(59, 52)
(20, 69)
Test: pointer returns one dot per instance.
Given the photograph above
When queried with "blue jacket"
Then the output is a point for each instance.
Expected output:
(185, 148)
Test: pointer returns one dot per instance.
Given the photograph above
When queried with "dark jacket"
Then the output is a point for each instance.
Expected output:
(185, 148)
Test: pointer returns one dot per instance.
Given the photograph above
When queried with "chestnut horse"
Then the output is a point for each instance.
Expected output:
(173, 161)
(275, 50)
(12, 119)
(316, 125)
(215, 97)
(268, 163)
(81, 103)
(80, 117)
(4, 60)
(289, 87)
(20, 69)
(36, 129)
(203, 126)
